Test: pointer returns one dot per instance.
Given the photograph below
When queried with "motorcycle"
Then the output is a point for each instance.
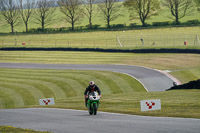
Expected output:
(93, 103)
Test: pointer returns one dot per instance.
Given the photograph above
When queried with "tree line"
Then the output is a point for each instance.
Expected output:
(74, 11)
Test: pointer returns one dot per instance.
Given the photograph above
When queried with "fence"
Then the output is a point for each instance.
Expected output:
(60, 43)
(126, 42)
(170, 37)
(160, 40)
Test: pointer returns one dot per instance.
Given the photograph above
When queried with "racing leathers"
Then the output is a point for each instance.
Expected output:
(91, 89)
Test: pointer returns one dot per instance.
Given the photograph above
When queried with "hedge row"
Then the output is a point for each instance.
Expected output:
(195, 51)
(115, 27)
(166, 23)
(190, 85)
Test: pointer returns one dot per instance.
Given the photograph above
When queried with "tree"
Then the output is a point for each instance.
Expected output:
(142, 9)
(9, 10)
(72, 10)
(198, 4)
(89, 11)
(45, 12)
(26, 9)
(110, 10)
(178, 8)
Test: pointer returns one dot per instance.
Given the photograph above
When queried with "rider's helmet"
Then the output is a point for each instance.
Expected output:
(91, 83)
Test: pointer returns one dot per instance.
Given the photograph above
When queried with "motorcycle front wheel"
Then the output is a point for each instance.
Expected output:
(95, 108)
(90, 110)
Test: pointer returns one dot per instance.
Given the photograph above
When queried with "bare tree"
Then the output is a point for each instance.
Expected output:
(178, 8)
(26, 8)
(89, 6)
(45, 12)
(142, 9)
(110, 10)
(72, 10)
(9, 10)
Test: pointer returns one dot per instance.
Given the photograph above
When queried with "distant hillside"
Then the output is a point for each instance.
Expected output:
(124, 20)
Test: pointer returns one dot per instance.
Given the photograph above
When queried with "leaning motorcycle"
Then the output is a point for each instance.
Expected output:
(93, 103)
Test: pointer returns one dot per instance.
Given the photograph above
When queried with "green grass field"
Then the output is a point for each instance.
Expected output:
(153, 38)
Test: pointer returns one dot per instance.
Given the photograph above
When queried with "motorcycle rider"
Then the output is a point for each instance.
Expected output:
(92, 87)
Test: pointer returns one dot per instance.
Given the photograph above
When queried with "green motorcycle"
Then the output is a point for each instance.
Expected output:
(93, 103)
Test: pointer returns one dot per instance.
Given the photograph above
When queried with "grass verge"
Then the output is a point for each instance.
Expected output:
(10, 129)
(186, 75)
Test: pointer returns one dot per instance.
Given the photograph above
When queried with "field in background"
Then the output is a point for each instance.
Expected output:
(58, 21)
(146, 38)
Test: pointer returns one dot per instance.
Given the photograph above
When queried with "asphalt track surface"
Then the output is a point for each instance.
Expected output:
(72, 121)
(151, 79)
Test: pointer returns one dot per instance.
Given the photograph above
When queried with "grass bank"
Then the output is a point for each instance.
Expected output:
(24, 87)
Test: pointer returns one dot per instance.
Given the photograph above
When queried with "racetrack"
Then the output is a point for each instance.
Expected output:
(72, 121)
(152, 80)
